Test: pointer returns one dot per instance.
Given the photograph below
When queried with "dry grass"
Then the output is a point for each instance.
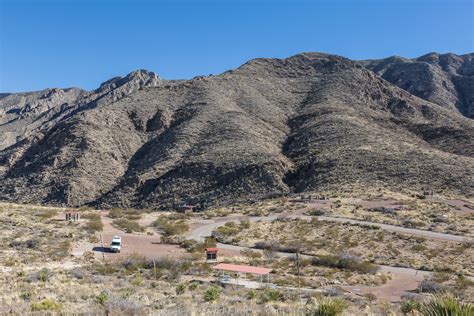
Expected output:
(371, 244)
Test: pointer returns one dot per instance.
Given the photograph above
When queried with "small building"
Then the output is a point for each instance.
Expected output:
(211, 254)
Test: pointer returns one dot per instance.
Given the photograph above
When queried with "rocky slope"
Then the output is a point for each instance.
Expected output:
(273, 126)
(444, 79)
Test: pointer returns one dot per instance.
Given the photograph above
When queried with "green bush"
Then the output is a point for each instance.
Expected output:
(251, 294)
(26, 295)
(409, 306)
(212, 294)
(46, 305)
(446, 305)
(180, 289)
(269, 295)
(193, 285)
(329, 307)
(128, 226)
(101, 298)
(44, 275)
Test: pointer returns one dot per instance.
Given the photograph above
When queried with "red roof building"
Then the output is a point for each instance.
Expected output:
(242, 269)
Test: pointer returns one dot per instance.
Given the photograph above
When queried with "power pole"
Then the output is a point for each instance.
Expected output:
(103, 249)
(298, 265)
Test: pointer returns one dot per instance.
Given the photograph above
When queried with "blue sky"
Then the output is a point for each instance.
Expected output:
(83, 43)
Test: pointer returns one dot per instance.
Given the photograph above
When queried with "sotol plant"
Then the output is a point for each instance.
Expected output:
(329, 307)
(446, 305)
(212, 294)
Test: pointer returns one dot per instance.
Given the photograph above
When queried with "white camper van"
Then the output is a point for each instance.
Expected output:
(116, 244)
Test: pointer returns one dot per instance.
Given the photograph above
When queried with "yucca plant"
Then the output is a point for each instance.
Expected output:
(329, 307)
(446, 305)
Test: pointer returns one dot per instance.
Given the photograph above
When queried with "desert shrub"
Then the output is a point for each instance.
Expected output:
(128, 226)
(46, 305)
(317, 212)
(190, 245)
(94, 223)
(134, 262)
(94, 226)
(78, 273)
(249, 253)
(232, 228)
(180, 289)
(251, 294)
(329, 307)
(123, 305)
(193, 285)
(463, 283)
(430, 286)
(409, 306)
(271, 295)
(30, 244)
(94, 216)
(346, 261)
(440, 276)
(42, 275)
(212, 294)
(115, 213)
(370, 296)
(102, 297)
(128, 214)
(27, 295)
(105, 268)
(137, 281)
(445, 305)
(245, 224)
(47, 214)
(170, 227)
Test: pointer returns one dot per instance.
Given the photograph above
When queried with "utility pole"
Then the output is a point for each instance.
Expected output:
(298, 265)
(103, 249)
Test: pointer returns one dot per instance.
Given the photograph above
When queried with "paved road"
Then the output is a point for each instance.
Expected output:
(411, 231)
(201, 232)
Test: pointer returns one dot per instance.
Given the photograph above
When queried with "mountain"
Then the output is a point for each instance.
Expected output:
(444, 79)
(23, 114)
(272, 126)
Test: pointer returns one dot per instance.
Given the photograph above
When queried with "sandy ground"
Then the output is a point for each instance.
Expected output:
(149, 246)
(141, 243)
(390, 291)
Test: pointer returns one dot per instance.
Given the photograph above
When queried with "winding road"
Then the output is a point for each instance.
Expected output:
(200, 233)
(204, 231)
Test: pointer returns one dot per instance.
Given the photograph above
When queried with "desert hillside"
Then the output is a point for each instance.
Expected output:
(311, 122)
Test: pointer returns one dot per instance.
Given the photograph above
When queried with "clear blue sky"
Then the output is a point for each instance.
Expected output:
(83, 43)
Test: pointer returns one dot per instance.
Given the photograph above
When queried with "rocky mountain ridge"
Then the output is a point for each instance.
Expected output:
(270, 127)
(444, 79)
